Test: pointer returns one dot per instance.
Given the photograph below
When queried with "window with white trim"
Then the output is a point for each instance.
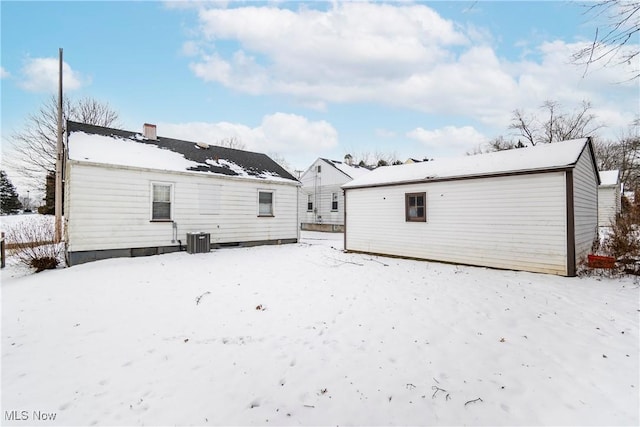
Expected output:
(161, 201)
(309, 203)
(334, 201)
(265, 203)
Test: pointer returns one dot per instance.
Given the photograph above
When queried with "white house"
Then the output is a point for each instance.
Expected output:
(532, 209)
(321, 205)
(609, 197)
(131, 194)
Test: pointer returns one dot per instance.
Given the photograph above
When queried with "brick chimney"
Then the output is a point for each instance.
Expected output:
(149, 131)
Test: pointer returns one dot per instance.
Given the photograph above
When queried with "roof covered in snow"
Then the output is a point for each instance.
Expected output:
(609, 177)
(352, 171)
(97, 144)
(559, 155)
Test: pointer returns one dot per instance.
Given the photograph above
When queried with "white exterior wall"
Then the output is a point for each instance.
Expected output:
(608, 204)
(585, 195)
(110, 208)
(513, 222)
(320, 186)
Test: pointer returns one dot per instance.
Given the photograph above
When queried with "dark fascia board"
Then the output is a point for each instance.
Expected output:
(593, 157)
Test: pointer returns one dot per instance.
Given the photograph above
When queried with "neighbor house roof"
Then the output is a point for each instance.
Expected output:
(608, 178)
(352, 171)
(558, 155)
(97, 144)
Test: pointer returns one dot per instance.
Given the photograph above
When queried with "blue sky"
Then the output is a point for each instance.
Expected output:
(311, 79)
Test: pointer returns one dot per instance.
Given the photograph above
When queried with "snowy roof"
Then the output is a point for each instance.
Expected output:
(96, 144)
(609, 177)
(352, 171)
(558, 155)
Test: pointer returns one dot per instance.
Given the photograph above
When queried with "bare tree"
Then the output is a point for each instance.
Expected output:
(607, 155)
(279, 159)
(552, 125)
(624, 155)
(375, 159)
(629, 161)
(613, 43)
(91, 111)
(523, 123)
(555, 124)
(34, 147)
(232, 142)
(384, 159)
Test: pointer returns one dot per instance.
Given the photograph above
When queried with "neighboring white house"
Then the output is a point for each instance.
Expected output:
(609, 197)
(532, 209)
(322, 200)
(131, 194)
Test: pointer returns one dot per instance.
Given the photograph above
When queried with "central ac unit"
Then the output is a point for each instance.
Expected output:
(198, 243)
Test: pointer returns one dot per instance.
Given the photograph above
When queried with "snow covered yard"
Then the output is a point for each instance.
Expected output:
(308, 335)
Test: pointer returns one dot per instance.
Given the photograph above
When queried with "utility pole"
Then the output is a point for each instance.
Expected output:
(59, 156)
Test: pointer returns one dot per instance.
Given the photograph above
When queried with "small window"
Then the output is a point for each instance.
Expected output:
(334, 201)
(309, 203)
(265, 203)
(415, 207)
(161, 202)
(319, 169)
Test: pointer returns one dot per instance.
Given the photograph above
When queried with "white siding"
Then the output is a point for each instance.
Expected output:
(514, 222)
(320, 185)
(322, 202)
(110, 208)
(608, 204)
(585, 193)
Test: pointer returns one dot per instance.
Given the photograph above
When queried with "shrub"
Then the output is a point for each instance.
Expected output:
(623, 240)
(32, 243)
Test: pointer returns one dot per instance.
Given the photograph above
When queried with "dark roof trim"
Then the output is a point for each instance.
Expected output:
(593, 157)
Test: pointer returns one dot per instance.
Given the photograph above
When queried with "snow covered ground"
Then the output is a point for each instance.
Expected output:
(305, 334)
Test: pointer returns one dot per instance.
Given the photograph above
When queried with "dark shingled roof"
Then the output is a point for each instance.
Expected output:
(255, 164)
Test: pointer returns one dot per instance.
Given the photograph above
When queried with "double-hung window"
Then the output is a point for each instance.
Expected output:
(334, 201)
(265, 203)
(309, 202)
(416, 207)
(161, 201)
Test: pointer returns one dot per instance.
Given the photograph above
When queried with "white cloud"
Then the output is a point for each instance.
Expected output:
(4, 73)
(450, 140)
(42, 74)
(286, 134)
(402, 54)
(309, 51)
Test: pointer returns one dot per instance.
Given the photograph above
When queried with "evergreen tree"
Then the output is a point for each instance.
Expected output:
(9, 201)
